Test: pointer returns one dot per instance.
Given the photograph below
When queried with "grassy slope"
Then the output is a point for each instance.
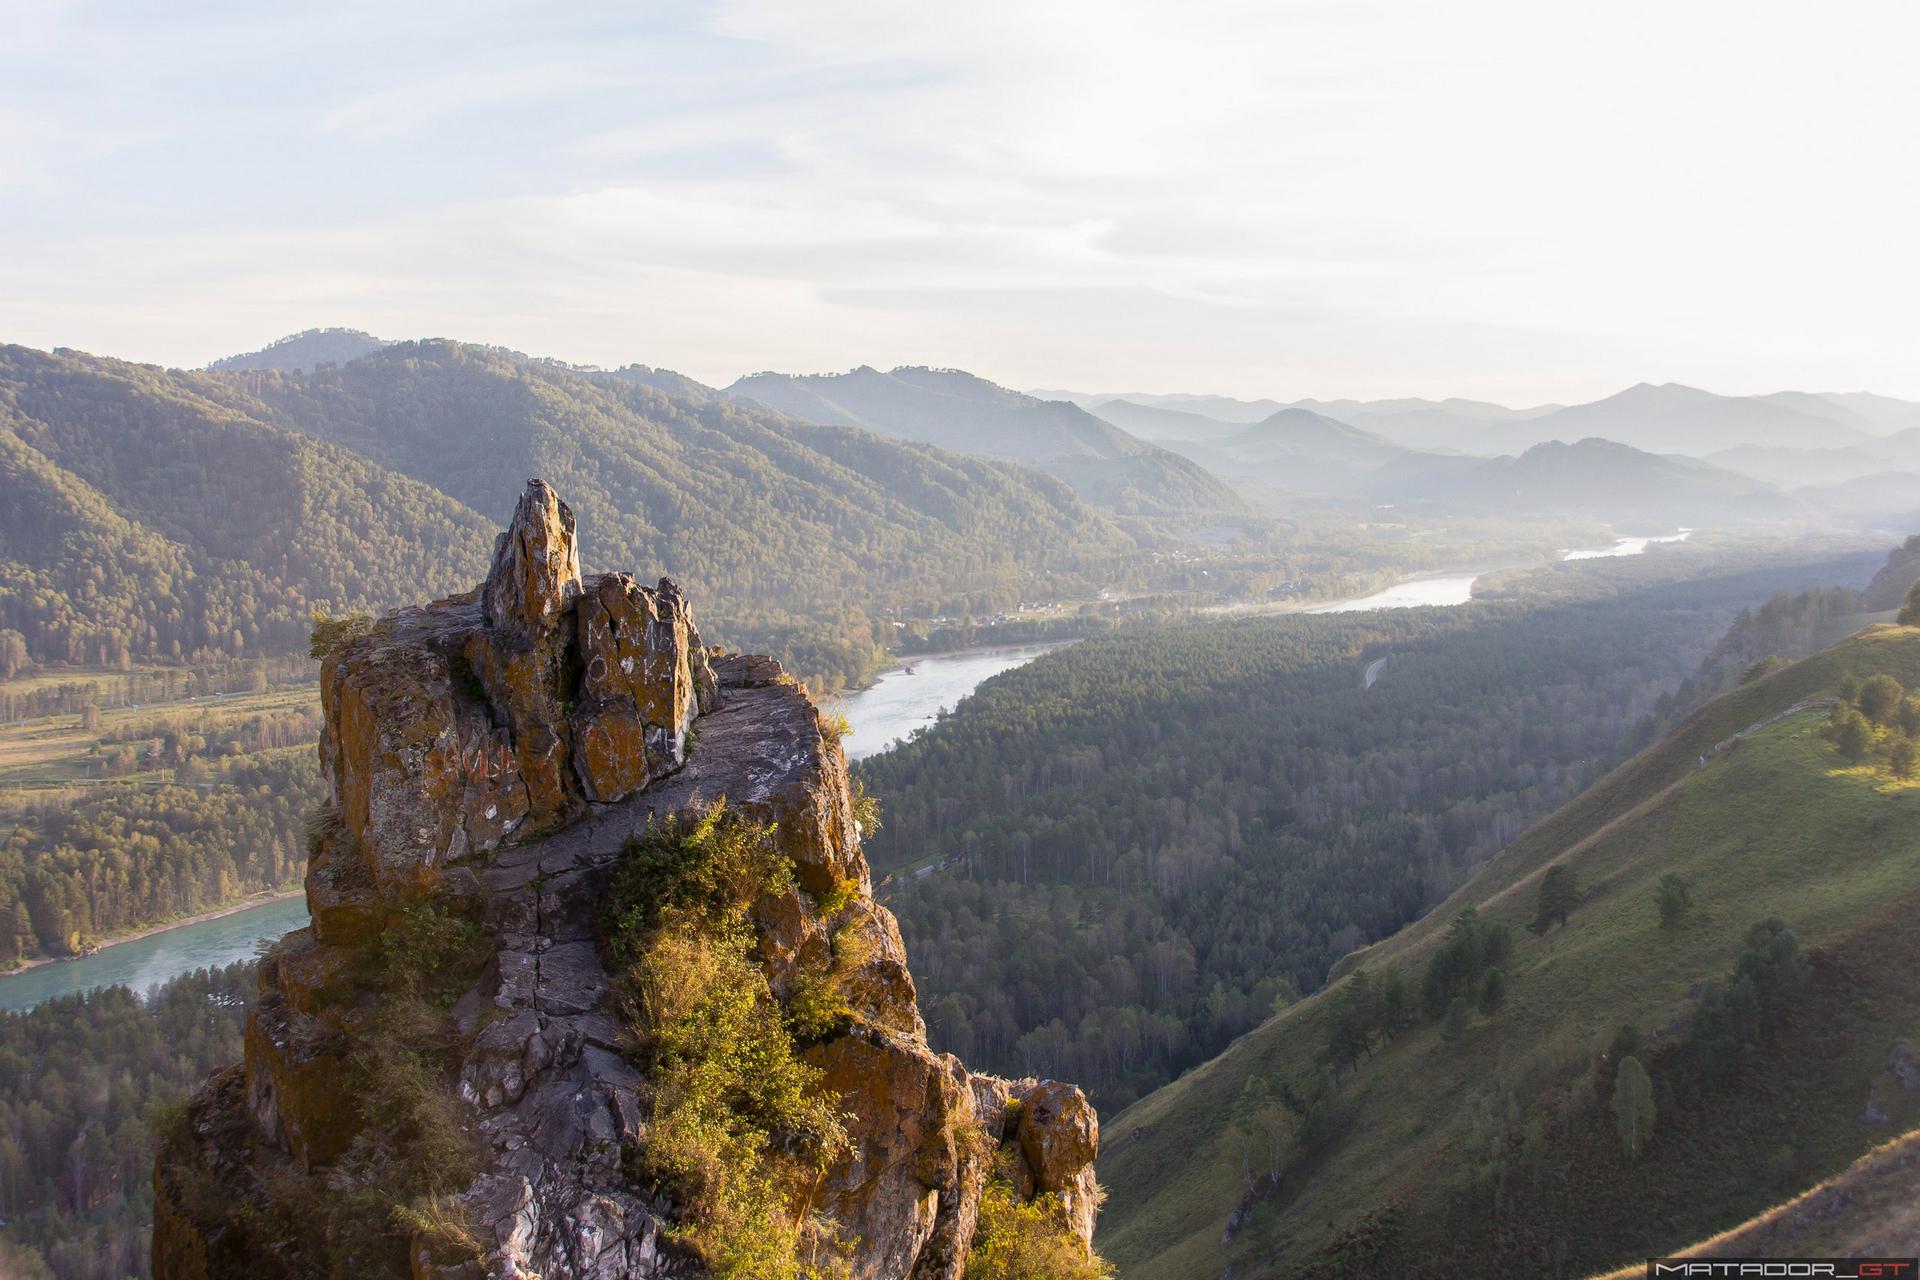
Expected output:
(1773, 827)
(1871, 1208)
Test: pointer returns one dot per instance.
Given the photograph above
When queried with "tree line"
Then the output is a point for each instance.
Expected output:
(1145, 838)
(83, 1081)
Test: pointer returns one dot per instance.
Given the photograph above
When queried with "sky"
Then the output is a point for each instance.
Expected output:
(1507, 199)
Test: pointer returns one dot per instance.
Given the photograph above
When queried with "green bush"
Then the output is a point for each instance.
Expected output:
(330, 633)
(1027, 1240)
(742, 1130)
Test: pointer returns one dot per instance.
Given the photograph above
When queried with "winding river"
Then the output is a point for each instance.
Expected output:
(912, 695)
(158, 957)
(900, 701)
(909, 697)
(1451, 588)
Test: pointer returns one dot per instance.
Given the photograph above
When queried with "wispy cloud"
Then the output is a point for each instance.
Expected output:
(1357, 197)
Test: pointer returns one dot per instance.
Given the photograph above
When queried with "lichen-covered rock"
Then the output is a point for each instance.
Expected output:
(536, 567)
(495, 752)
(1060, 1137)
(645, 676)
(910, 1111)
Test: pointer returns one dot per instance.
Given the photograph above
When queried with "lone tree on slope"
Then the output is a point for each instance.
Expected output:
(1633, 1110)
(1559, 895)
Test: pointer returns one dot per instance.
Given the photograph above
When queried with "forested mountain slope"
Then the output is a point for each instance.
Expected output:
(145, 519)
(1146, 837)
(798, 535)
(171, 516)
(299, 352)
(1599, 477)
(1743, 899)
(956, 410)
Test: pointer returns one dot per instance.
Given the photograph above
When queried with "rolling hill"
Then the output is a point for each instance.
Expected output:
(301, 352)
(794, 536)
(1601, 478)
(144, 520)
(1490, 1145)
(958, 411)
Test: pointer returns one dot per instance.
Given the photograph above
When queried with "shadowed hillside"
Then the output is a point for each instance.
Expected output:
(1385, 1122)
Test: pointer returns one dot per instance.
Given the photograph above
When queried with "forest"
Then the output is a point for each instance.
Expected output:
(175, 517)
(111, 862)
(1111, 862)
(84, 1081)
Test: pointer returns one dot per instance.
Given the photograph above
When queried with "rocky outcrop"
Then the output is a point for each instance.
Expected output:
(494, 752)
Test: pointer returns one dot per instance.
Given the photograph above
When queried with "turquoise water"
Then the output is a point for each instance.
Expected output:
(899, 702)
(914, 694)
(153, 960)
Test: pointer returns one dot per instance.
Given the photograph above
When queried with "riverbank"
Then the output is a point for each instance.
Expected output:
(184, 922)
(913, 694)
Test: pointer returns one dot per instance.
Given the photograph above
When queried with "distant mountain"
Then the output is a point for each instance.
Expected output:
(1219, 408)
(1887, 502)
(1671, 418)
(1152, 423)
(797, 536)
(301, 352)
(1865, 409)
(1600, 478)
(150, 515)
(142, 519)
(1792, 468)
(1297, 451)
(958, 411)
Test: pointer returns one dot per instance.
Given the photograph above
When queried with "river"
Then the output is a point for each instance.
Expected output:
(1454, 587)
(156, 958)
(1625, 547)
(900, 701)
(909, 697)
(914, 694)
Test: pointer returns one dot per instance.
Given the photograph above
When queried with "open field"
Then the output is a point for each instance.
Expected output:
(56, 751)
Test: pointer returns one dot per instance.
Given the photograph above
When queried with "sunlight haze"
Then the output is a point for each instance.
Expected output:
(1513, 201)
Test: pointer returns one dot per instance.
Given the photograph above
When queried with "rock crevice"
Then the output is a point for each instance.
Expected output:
(494, 752)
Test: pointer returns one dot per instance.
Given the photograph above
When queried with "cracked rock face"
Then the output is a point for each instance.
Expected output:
(494, 752)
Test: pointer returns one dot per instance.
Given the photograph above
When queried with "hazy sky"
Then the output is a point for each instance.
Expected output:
(1518, 199)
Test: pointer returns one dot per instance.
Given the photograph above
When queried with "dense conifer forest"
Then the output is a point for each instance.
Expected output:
(124, 857)
(84, 1081)
(1142, 842)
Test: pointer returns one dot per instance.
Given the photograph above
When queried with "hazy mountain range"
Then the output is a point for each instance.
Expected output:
(1667, 418)
(1679, 454)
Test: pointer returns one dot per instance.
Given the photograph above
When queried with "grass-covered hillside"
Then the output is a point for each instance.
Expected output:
(1740, 920)
(1869, 1209)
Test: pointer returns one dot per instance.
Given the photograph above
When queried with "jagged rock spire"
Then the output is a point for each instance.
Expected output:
(536, 567)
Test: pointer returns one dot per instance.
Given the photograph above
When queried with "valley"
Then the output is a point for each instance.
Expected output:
(1148, 766)
(981, 642)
